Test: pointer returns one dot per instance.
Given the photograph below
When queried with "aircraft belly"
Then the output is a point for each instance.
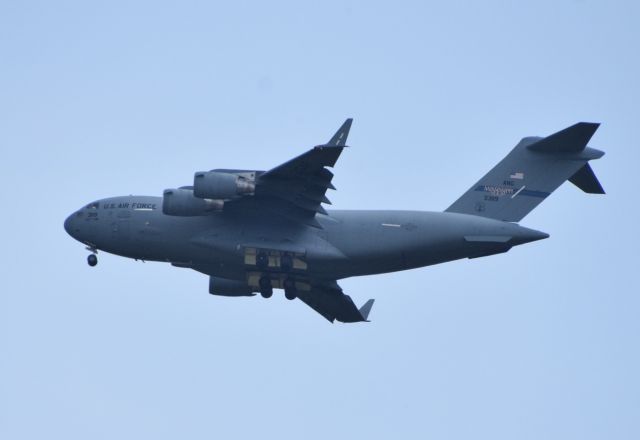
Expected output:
(349, 243)
(388, 241)
(390, 254)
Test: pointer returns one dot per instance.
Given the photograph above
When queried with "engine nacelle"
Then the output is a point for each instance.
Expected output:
(181, 202)
(226, 287)
(224, 186)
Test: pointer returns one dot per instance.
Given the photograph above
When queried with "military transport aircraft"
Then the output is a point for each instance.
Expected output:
(254, 231)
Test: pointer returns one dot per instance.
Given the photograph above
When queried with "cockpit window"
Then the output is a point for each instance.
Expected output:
(94, 205)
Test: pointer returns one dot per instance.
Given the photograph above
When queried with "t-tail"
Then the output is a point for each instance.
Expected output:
(531, 172)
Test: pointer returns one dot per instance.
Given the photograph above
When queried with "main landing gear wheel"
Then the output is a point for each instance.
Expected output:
(266, 290)
(290, 289)
(92, 260)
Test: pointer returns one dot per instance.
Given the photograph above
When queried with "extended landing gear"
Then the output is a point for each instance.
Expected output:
(286, 263)
(262, 260)
(266, 287)
(266, 290)
(92, 259)
(290, 291)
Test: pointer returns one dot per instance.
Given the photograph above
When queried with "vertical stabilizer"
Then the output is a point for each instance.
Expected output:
(531, 172)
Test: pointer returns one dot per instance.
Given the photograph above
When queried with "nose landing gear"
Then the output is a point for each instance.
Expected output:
(92, 260)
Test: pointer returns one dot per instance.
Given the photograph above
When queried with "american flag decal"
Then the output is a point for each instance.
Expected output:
(518, 176)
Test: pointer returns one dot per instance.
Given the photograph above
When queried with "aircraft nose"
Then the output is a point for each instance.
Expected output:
(68, 225)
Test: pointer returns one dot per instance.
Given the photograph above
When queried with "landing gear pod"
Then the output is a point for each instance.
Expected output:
(226, 287)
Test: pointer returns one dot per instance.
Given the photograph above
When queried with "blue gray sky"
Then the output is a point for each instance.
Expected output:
(114, 98)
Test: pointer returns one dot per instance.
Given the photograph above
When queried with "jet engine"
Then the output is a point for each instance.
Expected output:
(181, 202)
(219, 185)
(227, 287)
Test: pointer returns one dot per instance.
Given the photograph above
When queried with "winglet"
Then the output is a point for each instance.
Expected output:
(365, 309)
(340, 138)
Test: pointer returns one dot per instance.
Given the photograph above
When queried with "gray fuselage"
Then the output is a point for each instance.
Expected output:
(350, 243)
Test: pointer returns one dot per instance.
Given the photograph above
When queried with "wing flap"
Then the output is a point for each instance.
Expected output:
(330, 302)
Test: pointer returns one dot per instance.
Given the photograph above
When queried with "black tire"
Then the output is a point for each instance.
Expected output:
(92, 260)
(266, 290)
(264, 282)
(290, 289)
(290, 294)
(267, 293)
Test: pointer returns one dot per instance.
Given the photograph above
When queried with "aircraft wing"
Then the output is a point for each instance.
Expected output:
(329, 300)
(297, 188)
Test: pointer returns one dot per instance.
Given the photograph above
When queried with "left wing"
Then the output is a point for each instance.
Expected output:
(297, 188)
(329, 300)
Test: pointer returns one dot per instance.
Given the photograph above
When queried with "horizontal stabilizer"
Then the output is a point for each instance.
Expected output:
(571, 139)
(586, 180)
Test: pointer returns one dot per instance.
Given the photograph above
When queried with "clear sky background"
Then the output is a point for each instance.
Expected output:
(111, 98)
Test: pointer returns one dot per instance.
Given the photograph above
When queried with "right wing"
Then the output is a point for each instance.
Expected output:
(329, 300)
(296, 189)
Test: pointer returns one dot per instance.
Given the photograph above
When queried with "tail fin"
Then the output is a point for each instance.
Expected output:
(531, 172)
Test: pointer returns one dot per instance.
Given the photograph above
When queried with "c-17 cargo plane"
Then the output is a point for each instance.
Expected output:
(254, 231)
